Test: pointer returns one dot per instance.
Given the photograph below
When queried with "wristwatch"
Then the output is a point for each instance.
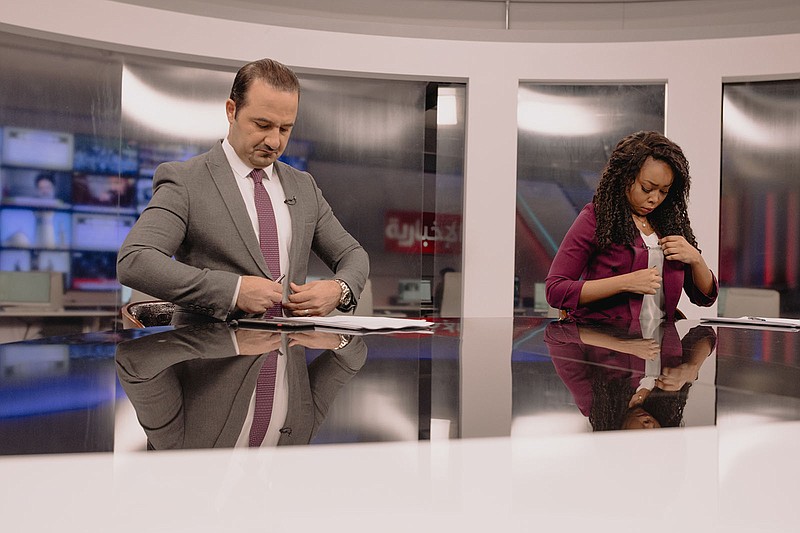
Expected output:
(344, 340)
(346, 300)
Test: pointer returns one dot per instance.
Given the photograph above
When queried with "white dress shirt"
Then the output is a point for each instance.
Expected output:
(272, 184)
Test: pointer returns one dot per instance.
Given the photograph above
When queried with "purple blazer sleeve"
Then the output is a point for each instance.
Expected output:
(563, 283)
(696, 296)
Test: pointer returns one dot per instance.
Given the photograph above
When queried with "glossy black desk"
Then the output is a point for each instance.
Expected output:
(475, 378)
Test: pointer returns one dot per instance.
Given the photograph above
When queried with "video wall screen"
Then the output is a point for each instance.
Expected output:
(67, 201)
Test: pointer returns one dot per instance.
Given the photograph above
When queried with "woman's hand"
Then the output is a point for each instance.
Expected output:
(673, 379)
(638, 398)
(647, 349)
(645, 281)
(677, 248)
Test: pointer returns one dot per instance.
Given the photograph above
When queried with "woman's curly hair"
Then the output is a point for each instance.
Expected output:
(610, 399)
(612, 210)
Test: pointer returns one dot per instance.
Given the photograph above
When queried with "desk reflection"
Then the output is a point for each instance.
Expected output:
(632, 376)
(194, 387)
(497, 377)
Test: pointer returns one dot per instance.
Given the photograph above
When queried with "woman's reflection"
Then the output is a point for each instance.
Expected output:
(632, 377)
(201, 386)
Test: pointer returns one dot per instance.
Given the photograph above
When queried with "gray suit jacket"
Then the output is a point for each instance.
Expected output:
(198, 216)
(191, 390)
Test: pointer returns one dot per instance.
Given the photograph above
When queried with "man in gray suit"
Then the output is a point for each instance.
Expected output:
(200, 390)
(203, 212)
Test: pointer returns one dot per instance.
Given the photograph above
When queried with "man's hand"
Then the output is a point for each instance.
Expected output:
(256, 295)
(256, 342)
(316, 340)
(317, 298)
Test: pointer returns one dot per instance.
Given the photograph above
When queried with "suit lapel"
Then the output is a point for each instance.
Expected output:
(225, 182)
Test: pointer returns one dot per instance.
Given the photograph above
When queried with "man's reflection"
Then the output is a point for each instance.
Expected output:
(635, 376)
(200, 386)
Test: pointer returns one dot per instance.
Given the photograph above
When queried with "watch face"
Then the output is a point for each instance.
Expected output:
(346, 298)
(347, 295)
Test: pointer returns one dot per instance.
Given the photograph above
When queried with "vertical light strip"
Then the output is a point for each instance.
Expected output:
(792, 238)
(770, 226)
(447, 107)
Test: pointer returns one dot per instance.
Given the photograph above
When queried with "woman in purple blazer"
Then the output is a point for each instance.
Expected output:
(631, 249)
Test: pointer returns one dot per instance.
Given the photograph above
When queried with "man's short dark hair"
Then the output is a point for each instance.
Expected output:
(275, 74)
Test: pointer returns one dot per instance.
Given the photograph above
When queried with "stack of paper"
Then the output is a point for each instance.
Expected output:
(756, 322)
(364, 323)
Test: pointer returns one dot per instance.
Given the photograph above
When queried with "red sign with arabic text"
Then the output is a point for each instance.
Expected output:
(422, 233)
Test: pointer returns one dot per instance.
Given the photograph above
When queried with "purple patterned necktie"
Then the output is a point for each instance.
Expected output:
(267, 233)
(265, 394)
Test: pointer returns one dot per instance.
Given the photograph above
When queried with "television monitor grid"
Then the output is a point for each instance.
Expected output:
(67, 202)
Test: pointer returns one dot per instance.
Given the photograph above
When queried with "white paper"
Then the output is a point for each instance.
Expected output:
(756, 322)
(363, 323)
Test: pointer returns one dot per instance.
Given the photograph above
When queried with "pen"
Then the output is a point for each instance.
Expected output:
(757, 318)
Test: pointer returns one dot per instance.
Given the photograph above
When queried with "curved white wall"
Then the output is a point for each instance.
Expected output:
(693, 70)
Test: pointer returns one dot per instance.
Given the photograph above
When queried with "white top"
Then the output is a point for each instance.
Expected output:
(651, 329)
(653, 304)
